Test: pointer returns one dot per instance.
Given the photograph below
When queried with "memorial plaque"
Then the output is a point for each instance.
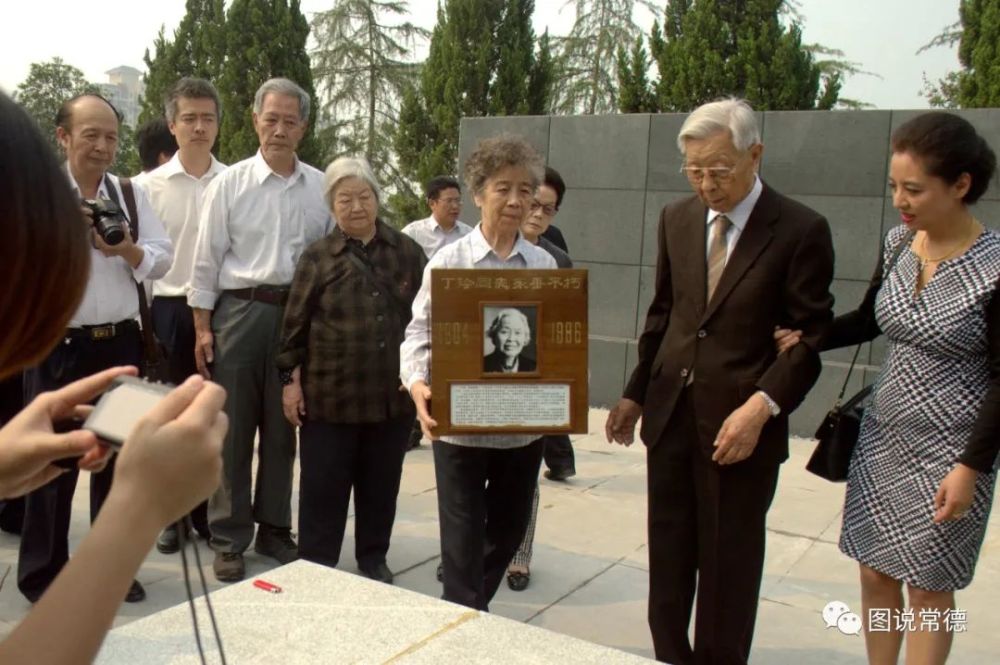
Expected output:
(509, 351)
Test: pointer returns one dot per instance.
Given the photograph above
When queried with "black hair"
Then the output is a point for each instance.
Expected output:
(45, 253)
(948, 146)
(152, 139)
(190, 87)
(555, 181)
(64, 115)
(437, 185)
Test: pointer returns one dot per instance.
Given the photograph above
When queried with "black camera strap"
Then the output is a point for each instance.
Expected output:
(153, 369)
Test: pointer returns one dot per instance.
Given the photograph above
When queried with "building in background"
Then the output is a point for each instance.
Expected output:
(124, 89)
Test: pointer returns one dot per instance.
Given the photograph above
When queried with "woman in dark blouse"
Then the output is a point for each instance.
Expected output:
(921, 481)
(347, 310)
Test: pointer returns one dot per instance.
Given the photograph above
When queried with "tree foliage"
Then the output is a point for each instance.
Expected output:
(634, 94)
(362, 65)
(264, 39)
(198, 49)
(43, 91)
(977, 34)
(588, 77)
(483, 60)
(712, 48)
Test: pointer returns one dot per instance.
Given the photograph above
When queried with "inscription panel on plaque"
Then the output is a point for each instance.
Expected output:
(510, 405)
(509, 351)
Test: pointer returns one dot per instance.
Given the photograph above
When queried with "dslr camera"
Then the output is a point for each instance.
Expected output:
(109, 220)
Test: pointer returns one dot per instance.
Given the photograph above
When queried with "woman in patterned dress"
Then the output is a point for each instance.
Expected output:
(921, 481)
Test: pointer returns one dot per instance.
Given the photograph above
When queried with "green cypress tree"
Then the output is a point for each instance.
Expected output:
(634, 93)
(979, 53)
(197, 49)
(542, 79)
(737, 47)
(515, 42)
(264, 39)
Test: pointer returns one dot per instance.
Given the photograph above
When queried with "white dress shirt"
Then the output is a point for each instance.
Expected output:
(738, 216)
(254, 226)
(432, 237)
(110, 295)
(176, 196)
(471, 251)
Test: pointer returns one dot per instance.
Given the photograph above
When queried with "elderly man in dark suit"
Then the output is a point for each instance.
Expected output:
(734, 261)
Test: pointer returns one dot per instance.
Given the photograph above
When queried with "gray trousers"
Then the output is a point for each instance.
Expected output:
(246, 342)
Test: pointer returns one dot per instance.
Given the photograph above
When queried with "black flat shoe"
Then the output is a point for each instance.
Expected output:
(378, 572)
(168, 542)
(135, 593)
(559, 474)
(518, 581)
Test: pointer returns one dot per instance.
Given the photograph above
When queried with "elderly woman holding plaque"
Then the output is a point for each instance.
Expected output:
(347, 309)
(485, 483)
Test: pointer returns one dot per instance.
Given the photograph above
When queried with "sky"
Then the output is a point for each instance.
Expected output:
(882, 36)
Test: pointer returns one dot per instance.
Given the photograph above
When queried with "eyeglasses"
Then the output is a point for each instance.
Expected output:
(450, 200)
(549, 210)
(720, 174)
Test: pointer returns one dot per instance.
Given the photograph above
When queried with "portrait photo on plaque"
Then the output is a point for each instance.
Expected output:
(510, 331)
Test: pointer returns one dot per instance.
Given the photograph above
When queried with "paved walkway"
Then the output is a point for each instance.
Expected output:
(589, 576)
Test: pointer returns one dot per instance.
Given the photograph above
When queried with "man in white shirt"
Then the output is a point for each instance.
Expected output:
(257, 218)
(156, 145)
(175, 190)
(444, 196)
(103, 332)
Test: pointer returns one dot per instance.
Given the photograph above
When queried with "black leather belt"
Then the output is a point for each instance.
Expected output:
(103, 331)
(272, 295)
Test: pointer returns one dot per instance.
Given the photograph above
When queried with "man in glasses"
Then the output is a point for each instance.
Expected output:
(734, 261)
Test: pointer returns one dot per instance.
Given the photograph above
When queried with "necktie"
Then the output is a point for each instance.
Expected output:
(717, 254)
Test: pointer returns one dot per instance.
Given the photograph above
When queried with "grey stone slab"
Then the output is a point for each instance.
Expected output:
(986, 122)
(814, 643)
(810, 414)
(472, 130)
(856, 226)
(847, 295)
(655, 201)
(987, 212)
(647, 289)
(603, 225)
(839, 154)
(621, 587)
(607, 152)
(665, 158)
(613, 298)
(607, 371)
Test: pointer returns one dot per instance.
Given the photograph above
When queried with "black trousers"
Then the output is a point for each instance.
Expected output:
(558, 453)
(706, 537)
(11, 402)
(173, 324)
(484, 504)
(335, 458)
(44, 539)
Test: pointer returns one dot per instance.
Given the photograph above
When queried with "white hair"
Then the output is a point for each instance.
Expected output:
(515, 315)
(733, 115)
(282, 86)
(350, 167)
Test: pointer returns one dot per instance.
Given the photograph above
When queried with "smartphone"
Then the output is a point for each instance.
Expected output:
(121, 406)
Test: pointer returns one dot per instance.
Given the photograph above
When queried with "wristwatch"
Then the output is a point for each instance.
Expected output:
(285, 376)
(772, 406)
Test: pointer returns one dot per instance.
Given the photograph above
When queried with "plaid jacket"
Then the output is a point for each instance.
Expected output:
(345, 331)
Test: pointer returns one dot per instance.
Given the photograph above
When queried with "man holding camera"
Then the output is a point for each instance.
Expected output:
(257, 218)
(103, 332)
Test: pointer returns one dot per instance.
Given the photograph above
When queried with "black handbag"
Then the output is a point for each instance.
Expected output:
(838, 433)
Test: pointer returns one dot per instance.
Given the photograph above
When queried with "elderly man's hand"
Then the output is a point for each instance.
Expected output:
(740, 432)
(293, 402)
(128, 250)
(420, 392)
(620, 426)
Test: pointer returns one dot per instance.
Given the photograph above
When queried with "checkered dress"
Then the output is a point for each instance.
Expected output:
(926, 400)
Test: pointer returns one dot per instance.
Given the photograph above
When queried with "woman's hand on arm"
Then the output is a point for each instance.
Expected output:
(293, 401)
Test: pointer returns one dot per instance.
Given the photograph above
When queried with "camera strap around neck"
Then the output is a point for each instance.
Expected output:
(151, 350)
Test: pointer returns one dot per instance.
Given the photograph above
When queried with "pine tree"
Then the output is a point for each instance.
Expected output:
(634, 93)
(481, 62)
(361, 68)
(979, 53)
(264, 39)
(197, 49)
(46, 87)
(713, 48)
(588, 81)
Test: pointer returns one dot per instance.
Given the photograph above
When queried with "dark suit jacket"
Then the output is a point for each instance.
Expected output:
(779, 274)
(494, 363)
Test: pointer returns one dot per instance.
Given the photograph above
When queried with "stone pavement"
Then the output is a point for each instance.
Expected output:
(589, 575)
